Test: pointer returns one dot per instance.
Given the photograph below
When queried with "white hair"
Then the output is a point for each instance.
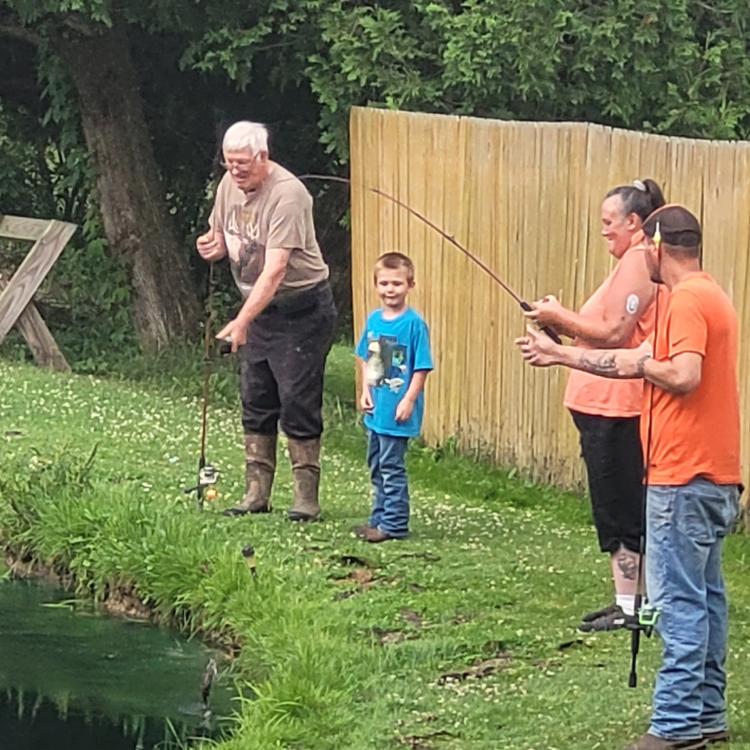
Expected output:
(246, 136)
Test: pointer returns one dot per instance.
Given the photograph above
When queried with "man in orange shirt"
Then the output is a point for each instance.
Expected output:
(606, 412)
(693, 475)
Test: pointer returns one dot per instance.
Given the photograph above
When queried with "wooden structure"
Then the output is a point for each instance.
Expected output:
(525, 198)
(16, 306)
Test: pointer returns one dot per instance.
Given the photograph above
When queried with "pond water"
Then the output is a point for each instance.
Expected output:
(71, 677)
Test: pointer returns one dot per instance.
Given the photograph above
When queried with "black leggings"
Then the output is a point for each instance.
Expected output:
(283, 363)
(611, 450)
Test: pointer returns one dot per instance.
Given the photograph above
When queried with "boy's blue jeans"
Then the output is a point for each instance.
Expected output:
(390, 502)
(686, 526)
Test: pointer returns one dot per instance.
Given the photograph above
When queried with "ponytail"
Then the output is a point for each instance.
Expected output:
(643, 197)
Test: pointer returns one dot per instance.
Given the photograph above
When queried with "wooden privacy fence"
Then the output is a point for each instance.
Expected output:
(525, 198)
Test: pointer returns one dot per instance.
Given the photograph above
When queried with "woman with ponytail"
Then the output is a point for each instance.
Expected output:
(606, 412)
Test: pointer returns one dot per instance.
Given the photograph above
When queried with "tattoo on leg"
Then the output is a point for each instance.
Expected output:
(627, 562)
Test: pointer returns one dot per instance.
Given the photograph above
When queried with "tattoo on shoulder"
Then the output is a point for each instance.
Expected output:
(598, 363)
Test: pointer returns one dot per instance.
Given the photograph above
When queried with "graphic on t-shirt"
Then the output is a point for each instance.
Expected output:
(242, 231)
(386, 362)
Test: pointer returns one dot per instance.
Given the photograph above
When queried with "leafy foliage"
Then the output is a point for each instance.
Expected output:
(678, 67)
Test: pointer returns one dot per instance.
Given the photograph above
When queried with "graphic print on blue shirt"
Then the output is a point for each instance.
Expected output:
(393, 350)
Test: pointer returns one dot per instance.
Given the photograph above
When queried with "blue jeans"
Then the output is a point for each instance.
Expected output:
(685, 529)
(390, 501)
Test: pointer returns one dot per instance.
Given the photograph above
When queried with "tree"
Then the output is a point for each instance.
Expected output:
(678, 67)
(93, 47)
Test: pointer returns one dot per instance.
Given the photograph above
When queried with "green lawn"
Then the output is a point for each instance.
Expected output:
(346, 646)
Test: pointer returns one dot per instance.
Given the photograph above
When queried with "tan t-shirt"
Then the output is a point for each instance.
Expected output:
(278, 215)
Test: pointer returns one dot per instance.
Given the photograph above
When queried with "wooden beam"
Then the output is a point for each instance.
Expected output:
(43, 346)
(21, 228)
(30, 274)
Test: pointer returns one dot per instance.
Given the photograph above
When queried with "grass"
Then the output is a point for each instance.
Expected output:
(345, 646)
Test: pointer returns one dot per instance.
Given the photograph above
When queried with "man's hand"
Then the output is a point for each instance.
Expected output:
(365, 401)
(236, 331)
(537, 348)
(404, 409)
(211, 246)
(546, 312)
(630, 362)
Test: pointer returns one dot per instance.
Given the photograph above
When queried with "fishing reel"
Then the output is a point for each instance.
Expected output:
(644, 623)
(647, 619)
(208, 477)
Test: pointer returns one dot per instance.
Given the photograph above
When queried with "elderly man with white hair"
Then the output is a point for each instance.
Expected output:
(262, 221)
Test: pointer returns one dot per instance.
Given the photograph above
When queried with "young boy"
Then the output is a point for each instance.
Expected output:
(395, 358)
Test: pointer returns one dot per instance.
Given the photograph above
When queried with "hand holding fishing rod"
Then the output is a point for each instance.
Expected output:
(540, 350)
(547, 313)
(232, 336)
(211, 246)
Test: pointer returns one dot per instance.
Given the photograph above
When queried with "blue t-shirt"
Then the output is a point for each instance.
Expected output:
(394, 350)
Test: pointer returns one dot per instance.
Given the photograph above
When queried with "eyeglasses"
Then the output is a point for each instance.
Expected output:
(241, 165)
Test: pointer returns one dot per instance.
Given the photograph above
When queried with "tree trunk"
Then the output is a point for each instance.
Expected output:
(136, 221)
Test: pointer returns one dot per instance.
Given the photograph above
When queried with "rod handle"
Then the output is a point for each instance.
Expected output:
(526, 307)
(635, 643)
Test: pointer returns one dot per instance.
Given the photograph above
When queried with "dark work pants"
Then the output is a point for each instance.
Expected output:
(282, 365)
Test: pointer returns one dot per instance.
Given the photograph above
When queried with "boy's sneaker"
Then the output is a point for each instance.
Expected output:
(591, 616)
(615, 619)
(713, 738)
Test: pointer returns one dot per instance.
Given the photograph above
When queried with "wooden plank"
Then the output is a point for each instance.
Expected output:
(30, 274)
(22, 228)
(43, 346)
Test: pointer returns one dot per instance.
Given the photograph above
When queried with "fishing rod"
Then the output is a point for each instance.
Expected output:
(525, 306)
(208, 474)
(645, 615)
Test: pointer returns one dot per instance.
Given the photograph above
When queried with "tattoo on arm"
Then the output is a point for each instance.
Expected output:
(598, 363)
(628, 564)
(641, 363)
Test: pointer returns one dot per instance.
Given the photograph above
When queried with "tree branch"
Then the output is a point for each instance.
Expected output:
(21, 33)
(81, 25)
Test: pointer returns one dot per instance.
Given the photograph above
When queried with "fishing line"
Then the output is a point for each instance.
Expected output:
(525, 306)
(646, 616)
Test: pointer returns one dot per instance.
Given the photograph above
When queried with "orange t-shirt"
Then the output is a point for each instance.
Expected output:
(608, 397)
(697, 433)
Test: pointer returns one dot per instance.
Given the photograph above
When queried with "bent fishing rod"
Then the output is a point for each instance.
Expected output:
(208, 475)
(524, 305)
